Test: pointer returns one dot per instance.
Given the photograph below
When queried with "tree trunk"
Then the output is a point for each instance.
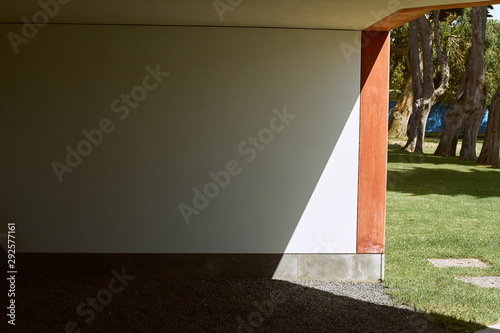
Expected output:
(416, 78)
(477, 96)
(453, 121)
(490, 154)
(425, 93)
(416, 138)
(471, 129)
(400, 116)
(470, 102)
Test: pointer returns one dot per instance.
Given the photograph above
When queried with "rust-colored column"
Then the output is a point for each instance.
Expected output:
(374, 104)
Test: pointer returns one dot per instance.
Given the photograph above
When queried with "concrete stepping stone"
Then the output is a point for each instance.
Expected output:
(444, 263)
(482, 281)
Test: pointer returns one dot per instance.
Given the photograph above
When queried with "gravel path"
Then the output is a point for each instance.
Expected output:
(247, 306)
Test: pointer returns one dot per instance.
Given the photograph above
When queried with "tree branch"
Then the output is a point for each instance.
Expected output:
(442, 59)
(415, 62)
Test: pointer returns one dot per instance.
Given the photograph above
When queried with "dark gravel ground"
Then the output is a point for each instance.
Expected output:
(48, 304)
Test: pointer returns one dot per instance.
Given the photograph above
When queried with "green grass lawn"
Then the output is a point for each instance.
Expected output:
(442, 208)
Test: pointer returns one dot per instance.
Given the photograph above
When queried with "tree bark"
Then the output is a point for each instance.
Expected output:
(469, 104)
(476, 107)
(470, 132)
(490, 154)
(400, 116)
(416, 78)
(453, 121)
(425, 93)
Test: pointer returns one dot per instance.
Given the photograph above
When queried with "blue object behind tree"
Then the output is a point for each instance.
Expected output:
(435, 122)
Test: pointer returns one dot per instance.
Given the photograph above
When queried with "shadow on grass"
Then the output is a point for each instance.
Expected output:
(47, 304)
(397, 155)
(423, 179)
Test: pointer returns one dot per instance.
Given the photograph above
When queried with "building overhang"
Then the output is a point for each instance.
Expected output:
(306, 14)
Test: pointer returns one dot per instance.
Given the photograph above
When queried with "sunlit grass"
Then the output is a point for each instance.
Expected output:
(442, 208)
(431, 144)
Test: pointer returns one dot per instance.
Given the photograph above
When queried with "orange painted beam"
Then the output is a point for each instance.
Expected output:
(374, 105)
(406, 15)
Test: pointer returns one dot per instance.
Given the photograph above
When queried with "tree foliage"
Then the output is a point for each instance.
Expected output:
(400, 69)
(492, 58)
(455, 36)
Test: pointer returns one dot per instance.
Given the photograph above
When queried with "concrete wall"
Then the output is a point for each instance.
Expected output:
(294, 191)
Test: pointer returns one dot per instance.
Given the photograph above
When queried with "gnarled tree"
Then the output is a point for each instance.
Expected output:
(475, 112)
(470, 102)
(400, 115)
(400, 80)
(425, 93)
(490, 153)
(468, 107)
